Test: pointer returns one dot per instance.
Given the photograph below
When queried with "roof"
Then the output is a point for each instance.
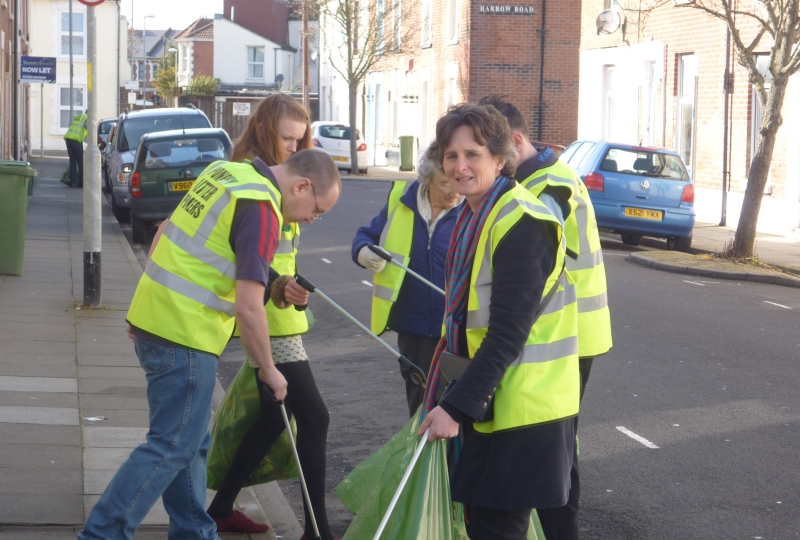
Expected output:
(202, 28)
(169, 111)
(155, 41)
(183, 132)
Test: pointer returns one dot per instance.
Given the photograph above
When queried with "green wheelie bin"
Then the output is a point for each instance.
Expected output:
(15, 177)
(407, 153)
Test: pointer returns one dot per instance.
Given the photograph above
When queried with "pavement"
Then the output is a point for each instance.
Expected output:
(73, 398)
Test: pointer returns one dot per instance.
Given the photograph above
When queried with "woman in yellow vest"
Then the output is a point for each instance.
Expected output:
(513, 401)
(279, 128)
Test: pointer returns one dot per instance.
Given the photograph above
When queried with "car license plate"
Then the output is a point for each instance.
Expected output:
(184, 185)
(644, 213)
(339, 158)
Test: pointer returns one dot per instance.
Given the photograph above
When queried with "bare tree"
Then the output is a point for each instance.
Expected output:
(357, 37)
(758, 25)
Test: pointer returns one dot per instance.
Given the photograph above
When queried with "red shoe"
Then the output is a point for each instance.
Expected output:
(240, 523)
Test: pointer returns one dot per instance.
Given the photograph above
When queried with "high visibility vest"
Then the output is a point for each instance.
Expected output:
(543, 383)
(77, 129)
(588, 271)
(396, 239)
(187, 293)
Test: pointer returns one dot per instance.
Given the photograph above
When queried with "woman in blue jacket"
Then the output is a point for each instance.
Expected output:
(420, 217)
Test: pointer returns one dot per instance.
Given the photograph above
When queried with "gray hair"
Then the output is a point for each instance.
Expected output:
(427, 168)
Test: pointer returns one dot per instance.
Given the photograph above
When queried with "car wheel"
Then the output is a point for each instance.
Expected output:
(363, 171)
(631, 239)
(139, 229)
(679, 243)
(106, 183)
(123, 215)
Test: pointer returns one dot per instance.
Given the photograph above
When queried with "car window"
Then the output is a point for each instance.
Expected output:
(131, 130)
(179, 153)
(579, 155)
(566, 154)
(644, 163)
(337, 132)
(105, 127)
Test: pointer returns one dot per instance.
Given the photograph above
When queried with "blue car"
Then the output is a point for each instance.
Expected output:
(637, 191)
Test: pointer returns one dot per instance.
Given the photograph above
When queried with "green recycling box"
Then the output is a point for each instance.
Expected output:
(407, 153)
(15, 176)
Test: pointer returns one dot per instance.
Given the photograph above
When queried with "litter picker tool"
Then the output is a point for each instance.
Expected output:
(417, 375)
(403, 483)
(388, 258)
(297, 460)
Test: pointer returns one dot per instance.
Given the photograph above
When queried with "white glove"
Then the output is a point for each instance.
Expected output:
(370, 260)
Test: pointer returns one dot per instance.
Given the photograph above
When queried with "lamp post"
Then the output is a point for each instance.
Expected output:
(144, 59)
(174, 50)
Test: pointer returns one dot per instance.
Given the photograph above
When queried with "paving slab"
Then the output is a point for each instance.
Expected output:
(39, 399)
(120, 387)
(108, 372)
(39, 456)
(107, 402)
(52, 435)
(37, 384)
(39, 415)
(53, 481)
(119, 360)
(44, 509)
(133, 418)
(31, 369)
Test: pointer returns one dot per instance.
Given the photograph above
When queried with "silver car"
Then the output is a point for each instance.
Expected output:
(129, 130)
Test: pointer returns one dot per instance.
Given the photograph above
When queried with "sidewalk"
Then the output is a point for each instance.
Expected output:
(73, 398)
(779, 251)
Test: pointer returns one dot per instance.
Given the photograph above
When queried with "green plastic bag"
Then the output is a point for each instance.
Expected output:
(65, 178)
(424, 509)
(237, 412)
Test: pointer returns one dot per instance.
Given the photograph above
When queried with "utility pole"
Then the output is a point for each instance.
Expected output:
(92, 226)
(306, 61)
(71, 90)
(144, 60)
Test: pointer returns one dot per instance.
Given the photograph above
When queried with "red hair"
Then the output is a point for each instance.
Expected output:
(261, 137)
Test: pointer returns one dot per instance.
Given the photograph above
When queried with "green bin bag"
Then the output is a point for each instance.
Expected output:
(237, 412)
(424, 509)
(65, 178)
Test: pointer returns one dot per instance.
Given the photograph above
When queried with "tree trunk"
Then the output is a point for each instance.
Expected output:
(744, 241)
(352, 98)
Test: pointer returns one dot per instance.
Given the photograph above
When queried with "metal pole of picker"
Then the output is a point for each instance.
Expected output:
(92, 226)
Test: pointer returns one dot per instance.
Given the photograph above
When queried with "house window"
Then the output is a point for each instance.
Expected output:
(139, 71)
(397, 18)
(184, 61)
(427, 23)
(687, 103)
(380, 31)
(608, 4)
(609, 101)
(255, 62)
(77, 102)
(78, 33)
(451, 23)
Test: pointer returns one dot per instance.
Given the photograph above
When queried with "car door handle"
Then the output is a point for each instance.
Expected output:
(645, 197)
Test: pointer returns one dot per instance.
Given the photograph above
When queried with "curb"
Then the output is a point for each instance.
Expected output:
(785, 281)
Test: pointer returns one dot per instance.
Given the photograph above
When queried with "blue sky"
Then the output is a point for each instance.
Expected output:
(176, 14)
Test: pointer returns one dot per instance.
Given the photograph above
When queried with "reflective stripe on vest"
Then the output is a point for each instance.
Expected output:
(77, 129)
(187, 294)
(396, 239)
(588, 270)
(542, 384)
(289, 321)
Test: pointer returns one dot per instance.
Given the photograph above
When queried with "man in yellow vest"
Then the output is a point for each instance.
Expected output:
(556, 185)
(209, 263)
(74, 138)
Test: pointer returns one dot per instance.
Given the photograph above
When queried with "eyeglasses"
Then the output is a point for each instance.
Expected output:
(317, 211)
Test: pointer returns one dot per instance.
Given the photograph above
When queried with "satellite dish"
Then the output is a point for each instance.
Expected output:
(608, 21)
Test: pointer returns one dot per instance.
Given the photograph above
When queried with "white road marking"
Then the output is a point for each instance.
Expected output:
(367, 283)
(774, 304)
(636, 437)
(693, 282)
(325, 250)
(326, 260)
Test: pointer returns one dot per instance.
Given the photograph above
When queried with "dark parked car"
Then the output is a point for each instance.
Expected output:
(164, 169)
(105, 152)
(130, 128)
(104, 128)
(637, 191)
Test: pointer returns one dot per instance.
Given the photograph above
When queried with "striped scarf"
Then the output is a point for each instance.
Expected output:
(458, 270)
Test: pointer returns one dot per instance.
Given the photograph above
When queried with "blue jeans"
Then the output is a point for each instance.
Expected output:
(172, 463)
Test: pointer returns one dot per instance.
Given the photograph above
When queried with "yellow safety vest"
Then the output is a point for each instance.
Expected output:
(188, 291)
(396, 239)
(77, 129)
(543, 384)
(588, 271)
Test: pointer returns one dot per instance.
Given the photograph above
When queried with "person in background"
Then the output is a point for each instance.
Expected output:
(415, 226)
(511, 321)
(74, 138)
(541, 172)
(208, 267)
(278, 129)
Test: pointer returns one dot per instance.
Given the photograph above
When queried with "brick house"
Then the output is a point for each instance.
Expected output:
(144, 64)
(454, 51)
(195, 51)
(14, 132)
(659, 80)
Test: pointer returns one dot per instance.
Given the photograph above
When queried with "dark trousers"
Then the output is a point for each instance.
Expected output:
(418, 349)
(490, 524)
(75, 151)
(562, 523)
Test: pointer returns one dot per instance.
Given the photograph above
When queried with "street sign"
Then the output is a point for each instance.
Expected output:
(131, 85)
(131, 97)
(91, 2)
(37, 69)
(241, 109)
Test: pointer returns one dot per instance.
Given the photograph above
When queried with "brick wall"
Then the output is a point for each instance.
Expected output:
(268, 18)
(203, 61)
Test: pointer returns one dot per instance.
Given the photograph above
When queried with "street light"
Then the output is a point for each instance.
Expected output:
(144, 59)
